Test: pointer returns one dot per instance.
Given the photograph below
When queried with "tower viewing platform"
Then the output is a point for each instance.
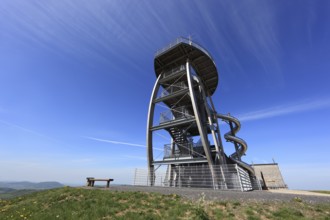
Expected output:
(177, 53)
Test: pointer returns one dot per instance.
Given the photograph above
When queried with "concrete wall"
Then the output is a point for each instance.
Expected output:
(271, 174)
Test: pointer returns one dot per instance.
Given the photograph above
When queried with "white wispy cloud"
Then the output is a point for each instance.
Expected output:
(10, 124)
(99, 31)
(251, 25)
(285, 109)
(34, 133)
(120, 142)
(84, 29)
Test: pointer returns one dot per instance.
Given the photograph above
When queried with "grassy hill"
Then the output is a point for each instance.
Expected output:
(77, 203)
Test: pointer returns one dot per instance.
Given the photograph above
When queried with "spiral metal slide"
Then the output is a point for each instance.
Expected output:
(240, 144)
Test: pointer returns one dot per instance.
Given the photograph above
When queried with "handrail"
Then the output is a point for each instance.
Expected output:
(174, 70)
(173, 88)
(183, 40)
(180, 113)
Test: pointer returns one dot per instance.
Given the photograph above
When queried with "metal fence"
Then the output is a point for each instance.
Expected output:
(225, 177)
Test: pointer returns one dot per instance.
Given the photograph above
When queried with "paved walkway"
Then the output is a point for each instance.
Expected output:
(220, 195)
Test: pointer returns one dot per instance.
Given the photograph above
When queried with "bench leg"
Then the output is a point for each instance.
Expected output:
(108, 184)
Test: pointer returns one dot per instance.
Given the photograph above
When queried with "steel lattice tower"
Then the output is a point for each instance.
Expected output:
(187, 77)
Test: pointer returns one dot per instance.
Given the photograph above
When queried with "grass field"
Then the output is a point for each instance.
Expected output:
(75, 203)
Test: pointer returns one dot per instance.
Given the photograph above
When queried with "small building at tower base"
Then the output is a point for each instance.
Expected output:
(270, 176)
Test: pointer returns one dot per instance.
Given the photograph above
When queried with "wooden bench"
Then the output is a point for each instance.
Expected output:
(91, 181)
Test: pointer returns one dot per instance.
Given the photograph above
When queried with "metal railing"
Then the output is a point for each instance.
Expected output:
(175, 114)
(173, 71)
(173, 88)
(187, 150)
(166, 116)
(182, 40)
(245, 180)
(168, 150)
(228, 177)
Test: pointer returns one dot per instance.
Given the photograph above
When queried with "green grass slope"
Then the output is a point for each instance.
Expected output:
(74, 203)
(77, 203)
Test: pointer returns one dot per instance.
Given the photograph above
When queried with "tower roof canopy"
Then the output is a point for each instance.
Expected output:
(178, 52)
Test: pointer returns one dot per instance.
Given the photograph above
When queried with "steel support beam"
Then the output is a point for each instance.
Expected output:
(149, 131)
(215, 118)
(201, 128)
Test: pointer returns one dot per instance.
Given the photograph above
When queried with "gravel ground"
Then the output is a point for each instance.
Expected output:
(215, 195)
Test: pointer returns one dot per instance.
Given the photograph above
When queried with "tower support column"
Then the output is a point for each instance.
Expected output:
(151, 171)
(201, 128)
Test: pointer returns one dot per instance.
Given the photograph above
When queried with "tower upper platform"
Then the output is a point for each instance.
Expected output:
(177, 54)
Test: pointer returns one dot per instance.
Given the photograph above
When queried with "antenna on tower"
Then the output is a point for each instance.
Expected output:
(190, 39)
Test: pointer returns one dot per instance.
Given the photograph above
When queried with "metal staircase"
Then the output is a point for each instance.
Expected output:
(182, 140)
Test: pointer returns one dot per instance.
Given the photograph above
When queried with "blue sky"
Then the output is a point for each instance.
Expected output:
(76, 78)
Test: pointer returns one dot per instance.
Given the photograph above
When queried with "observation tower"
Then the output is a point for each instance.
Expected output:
(187, 78)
